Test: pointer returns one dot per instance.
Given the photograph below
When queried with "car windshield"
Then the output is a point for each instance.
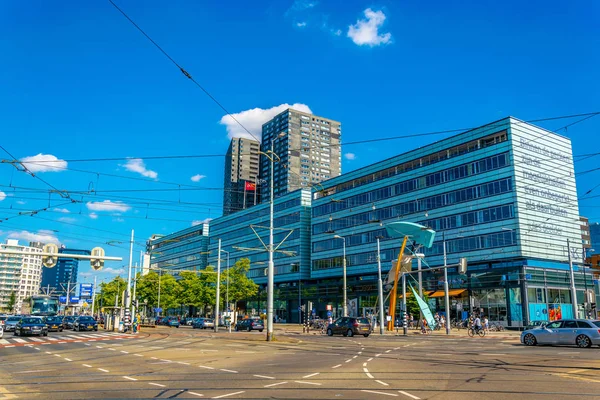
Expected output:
(53, 320)
(597, 323)
(208, 320)
(70, 318)
(86, 319)
(13, 318)
(363, 321)
(31, 321)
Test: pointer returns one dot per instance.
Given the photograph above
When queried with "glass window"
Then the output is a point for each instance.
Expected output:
(583, 324)
(554, 325)
(569, 324)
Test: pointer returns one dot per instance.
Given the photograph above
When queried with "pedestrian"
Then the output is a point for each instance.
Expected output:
(442, 321)
(486, 324)
(424, 327)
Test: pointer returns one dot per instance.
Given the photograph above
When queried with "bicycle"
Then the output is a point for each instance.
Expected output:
(473, 331)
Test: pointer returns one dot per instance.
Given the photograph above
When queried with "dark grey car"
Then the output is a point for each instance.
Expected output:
(350, 326)
(10, 323)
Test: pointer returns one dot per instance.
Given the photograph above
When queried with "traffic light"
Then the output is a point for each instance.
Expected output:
(50, 261)
(97, 264)
(462, 266)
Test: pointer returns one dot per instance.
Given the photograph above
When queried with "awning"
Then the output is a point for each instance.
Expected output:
(451, 293)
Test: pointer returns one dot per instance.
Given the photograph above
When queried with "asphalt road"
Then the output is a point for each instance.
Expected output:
(185, 363)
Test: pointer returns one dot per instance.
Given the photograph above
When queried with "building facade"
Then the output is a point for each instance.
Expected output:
(245, 234)
(594, 228)
(184, 250)
(63, 276)
(502, 195)
(19, 274)
(307, 149)
(241, 175)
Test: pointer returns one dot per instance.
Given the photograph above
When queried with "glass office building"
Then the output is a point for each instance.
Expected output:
(502, 195)
(245, 234)
(186, 249)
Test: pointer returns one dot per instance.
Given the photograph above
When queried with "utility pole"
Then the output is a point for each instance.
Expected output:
(573, 290)
(380, 290)
(218, 288)
(94, 296)
(271, 268)
(446, 294)
(128, 295)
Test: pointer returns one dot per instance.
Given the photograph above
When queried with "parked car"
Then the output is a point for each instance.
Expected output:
(31, 326)
(173, 321)
(3, 319)
(11, 322)
(85, 323)
(249, 325)
(203, 323)
(579, 332)
(535, 324)
(350, 326)
(55, 323)
(68, 321)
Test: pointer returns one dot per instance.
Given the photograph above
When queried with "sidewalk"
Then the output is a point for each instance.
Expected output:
(455, 333)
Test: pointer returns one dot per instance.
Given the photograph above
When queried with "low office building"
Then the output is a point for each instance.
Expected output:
(502, 195)
(182, 250)
(238, 235)
(19, 274)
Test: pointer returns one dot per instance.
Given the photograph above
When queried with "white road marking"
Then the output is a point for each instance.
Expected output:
(99, 347)
(36, 339)
(34, 371)
(196, 394)
(229, 370)
(384, 393)
(309, 383)
(355, 357)
(124, 352)
(409, 395)
(165, 360)
(387, 351)
(62, 342)
(308, 376)
(205, 367)
(360, 352)
(130, 378)
(139, 355)
(227, 395)
(382, 383)
(184, 363)
(275, 384)
(48, 352)
(437, 354)
(492, 354)
(58, 355)
(264, 376)
(156, 384)
(37, 348)
(87, 344)
(111, 349)
(154, 358)
(68, 359)
(87, 365)
(396, 348)
(377, 355)
(103, 370)
(337, 366)
(368, 373)
(370, 359)
(348, 360)
(12, 345)
(364, 364)
(19, 340)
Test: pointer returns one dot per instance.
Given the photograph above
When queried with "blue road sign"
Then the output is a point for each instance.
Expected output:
(74, 299)
(329, 313)
(158, 309)
(62, 299)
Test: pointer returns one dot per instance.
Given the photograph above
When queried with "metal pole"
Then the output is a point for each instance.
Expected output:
(94, 296)
(446, 295)
(420, 285)
(299, 301)
(573, 290)
(158, 305)
(271, 268)
(405, 327)
(133, 308)
(218, 288)
(585, 296)
(68, 296)
(128, 296)
(380, 288)
(227, 295)
(345, 307)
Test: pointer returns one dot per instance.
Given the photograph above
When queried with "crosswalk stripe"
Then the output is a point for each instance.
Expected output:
(52, 339)
(87, 336)
(4, 341)
(36, 339)
(20, 340)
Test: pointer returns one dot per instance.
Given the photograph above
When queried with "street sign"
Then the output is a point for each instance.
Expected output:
(329, 313)
(329, 307)
(85, 290)
(158, 309)
(527, 276)
(74, 299)
(62, 299)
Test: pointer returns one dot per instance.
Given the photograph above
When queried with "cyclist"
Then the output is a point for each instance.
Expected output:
(477, 324)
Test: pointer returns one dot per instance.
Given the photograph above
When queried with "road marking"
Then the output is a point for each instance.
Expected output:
(569, 352)
(130, 378)
(205, 367)
(140, 355)
(311, 375)
(370, 359)
(396, 348)
(576, 371)
(36, 339)
(409, 395)
(34, 371)
(196, 394)
(165, 360)
(99, 347)
(309, 383)
(229, 370)
(384, 393)
(103, 370)
(184, 363)
(4, 341)
(437, 354)
(87, 344)
(348, 360)
(19, 340)
(156, 384)
(263, 376)
(368, 373)
(68, 359)
(124, 352)
(387, 351)
(275, 384)
(492, 354)
(48, 352)
(154, 358)
(227, 395)
(37, 348)
(62, 342)
(337, 366)
(377, 355)
(364, 364)
(58, 355)
(360, 352)
(12, 345)
(111, 349)
(382, 383)
(87, 365)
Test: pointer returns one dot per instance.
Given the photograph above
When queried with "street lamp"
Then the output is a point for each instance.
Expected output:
(345, 305)
(227, 291)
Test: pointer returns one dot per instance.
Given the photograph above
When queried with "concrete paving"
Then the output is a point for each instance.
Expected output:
(185, 363)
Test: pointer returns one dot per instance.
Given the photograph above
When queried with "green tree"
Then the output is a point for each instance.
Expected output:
(190, 289)
(110, 290)
(12, 300)
(412, 305)
(147, 289)
(240, 286)
(208, 280)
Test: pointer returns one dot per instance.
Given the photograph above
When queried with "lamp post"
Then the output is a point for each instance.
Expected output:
(572, 274)
(345, 288)
(227, 291)
(128, 296)
(218, 288)
(380, 289)
(420, 274)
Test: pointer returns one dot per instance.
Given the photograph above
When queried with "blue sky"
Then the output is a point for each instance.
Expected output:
(79, 82)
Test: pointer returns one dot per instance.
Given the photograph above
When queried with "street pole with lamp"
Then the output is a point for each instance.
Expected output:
(128, 296)
(227, 291)
(446, 294)
(218, 288)
(572, 275)
(380, 290)
(345, 288)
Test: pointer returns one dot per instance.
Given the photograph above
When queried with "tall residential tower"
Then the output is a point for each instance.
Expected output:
(308, 148)
(241, 174)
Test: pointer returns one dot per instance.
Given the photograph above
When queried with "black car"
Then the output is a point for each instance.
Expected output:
(350, 326)
(249, 325)
(68, 321)
(55, 323)
(31, 326)
(85, 323)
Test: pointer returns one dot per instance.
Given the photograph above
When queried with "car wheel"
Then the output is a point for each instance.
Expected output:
(350, 333)
(60, 330)
(236, 328)
(366, 335)
(15, 333)
(329, 332)
(260, 330)
(583, 341)
(45, 333)
(249, 329)
(529, 340)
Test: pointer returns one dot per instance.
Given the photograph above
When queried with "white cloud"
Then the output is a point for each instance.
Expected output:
(113, 271)
(300, 24)
(197, 177)
(67, 219)
(198, 222)
(62, 210)
(44, 163)
(350, 156)
(21, 202)
(337, 32)
(301, 5)
(138, 165)
(42, 235)
(108, 205)
(254, 119)
(366, 31)
(2, 195)
(118, 220)
(93, 215)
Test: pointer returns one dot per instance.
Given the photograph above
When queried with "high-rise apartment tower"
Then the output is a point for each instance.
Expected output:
(241, 175)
